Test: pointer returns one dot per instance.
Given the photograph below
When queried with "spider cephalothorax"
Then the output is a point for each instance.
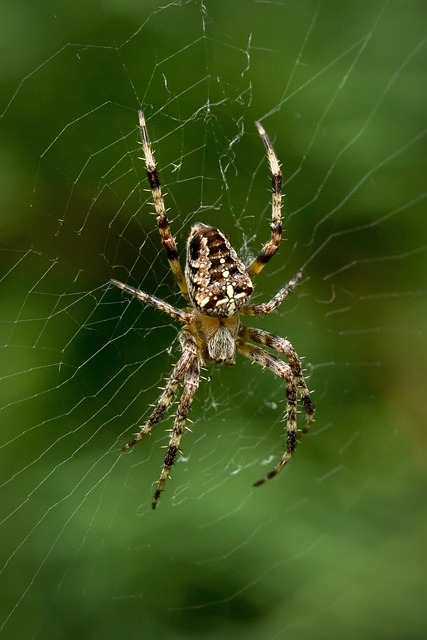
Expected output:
(218, 286)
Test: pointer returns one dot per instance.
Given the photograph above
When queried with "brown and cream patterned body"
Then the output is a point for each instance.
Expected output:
(217, 280)
(218, 287)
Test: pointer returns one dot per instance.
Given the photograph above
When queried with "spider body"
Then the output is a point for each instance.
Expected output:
(216, 337)
(218, 287)
(217, 281)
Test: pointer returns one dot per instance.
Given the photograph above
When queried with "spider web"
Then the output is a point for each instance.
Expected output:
(321, 549)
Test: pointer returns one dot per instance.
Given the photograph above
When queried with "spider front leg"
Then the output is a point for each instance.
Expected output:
(283, 370)
(190, 383)
(189, 354)
(284, 346)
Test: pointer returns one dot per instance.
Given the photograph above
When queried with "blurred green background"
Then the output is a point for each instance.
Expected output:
(333, 547)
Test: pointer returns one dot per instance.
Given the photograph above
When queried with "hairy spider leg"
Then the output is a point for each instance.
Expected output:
(189, 354)
(279, 368)
(190, 384)
(281, 345)
(270, 247)
(168, 241)
(267, 307)
(153, 301)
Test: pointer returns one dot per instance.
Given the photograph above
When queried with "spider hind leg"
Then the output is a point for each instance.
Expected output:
(271, 246)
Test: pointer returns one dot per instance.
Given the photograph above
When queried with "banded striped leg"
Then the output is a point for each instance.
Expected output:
(284, 346)
(161, 305)
(168, 241)
(270, 248)
(190, 383)
(283, 370)
(189, 355)
(267, 307)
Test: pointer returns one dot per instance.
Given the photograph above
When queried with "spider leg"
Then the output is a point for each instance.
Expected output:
(189, 354)
(161, 305)
(284, 346)
(190, 383)
(267, 307)
(283, 370)
(168, 241)
(270, 248)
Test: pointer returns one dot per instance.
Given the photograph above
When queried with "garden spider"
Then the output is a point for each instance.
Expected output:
(218, 286)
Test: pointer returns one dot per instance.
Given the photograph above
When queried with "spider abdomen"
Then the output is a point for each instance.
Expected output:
(217, 280)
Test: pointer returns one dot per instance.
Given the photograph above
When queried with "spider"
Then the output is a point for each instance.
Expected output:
(217, 287)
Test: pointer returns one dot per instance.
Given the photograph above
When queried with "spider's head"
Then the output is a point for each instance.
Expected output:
(218, 283)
